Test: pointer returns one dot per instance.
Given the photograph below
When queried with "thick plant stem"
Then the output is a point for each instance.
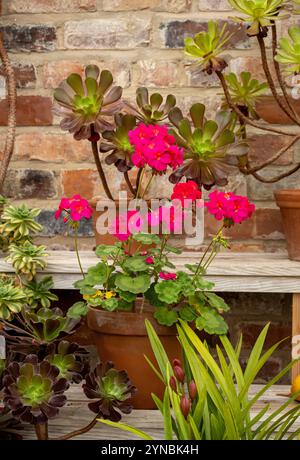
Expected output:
(276, 178)
(129, 184)
(138, 180)
(80, 431)
(11, 121)
(270, 81)
(279, 75)
(242, 116)
(76, 249)
(41, 431)
(99, 167)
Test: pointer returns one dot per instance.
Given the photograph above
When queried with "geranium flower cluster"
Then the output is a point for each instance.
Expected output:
(155, 147)
(74, 208)
(229, 207)
(186, 192)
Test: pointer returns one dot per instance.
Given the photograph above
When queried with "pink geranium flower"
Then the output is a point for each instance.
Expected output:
(229, 207)
(167, 276)
(155, 147)
(126, 224)
(149, 260)
(169, 217)
(186, 191)
(74, 208)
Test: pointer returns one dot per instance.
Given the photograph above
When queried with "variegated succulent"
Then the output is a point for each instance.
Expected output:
(288, 53)
(210, 146)
(117, 143)
(27, 258)
(87, 105)
(42, 296)
(18, 223)
(12, 298)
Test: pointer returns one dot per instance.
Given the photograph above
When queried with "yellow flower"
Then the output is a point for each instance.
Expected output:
(97, 294)
(109, 294)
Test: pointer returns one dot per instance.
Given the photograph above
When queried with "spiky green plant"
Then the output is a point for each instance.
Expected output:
(41, 292)
(27, 258)
(261, 14)
(218, 405)
(206, 47)
(12, 298)
(92, 101)
(19, 223)
(245, 91)
(151, 108)
(210, 146)
(288, 53)
(117, 143)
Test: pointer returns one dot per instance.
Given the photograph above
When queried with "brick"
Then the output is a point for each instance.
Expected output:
(30, 183)
(216, 5)
(107, 33)
(173, 32)
(252, 65)
(158, 73)
(173, 6)
(56, 71)
(25, 75)
(51, 6)
(261, 191)
(31, 110)
(277, 332)
(57, 148)
(242, 231)
(38, 37)
(272, 368)
(258, 306)
(262, 147)
(80, 181)
(197, 78)
(52, 227)
(269, 224)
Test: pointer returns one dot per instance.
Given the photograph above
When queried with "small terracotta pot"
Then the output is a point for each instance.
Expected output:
(269, 110)
(121, 337)
(289, 204)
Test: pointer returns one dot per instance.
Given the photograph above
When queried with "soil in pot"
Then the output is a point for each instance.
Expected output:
(289, 204)
(121, 337)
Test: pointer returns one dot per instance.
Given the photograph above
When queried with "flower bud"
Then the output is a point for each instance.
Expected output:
(185, 405)
(173, 383)
(179, 374)
(176, 362)
(192, 390)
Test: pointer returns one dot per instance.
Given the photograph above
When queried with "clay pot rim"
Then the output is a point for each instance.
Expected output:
(287, 198)
(128, 323)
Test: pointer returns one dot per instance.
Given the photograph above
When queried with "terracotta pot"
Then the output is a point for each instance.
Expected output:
(121, 337)
(289, 204)
(269, 110)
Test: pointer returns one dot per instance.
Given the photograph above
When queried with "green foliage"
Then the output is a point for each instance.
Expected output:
(77, 310)
(245, 91)
(41, 292)
(210, 146)
(152, 109)
(136, 285)
(206, 46)
(221, 407)
(18, 223)
(27, 258)
(288, 53)
(165, 316)
(261, 14)
(12, 298)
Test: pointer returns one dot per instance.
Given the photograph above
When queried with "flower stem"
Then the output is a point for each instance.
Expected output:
(129, 184)
(83, 430)
(147, 186)
(76, 248)
(140, 183)
(41, 431)
(99, 167)
(211, 248)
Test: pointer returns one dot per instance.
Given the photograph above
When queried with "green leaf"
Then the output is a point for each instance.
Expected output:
(77, 310)
(216, 301)
(135, 264)
(168, 291)
(146, 238)
(97, 275)
(165, 317)
(203, 284)
(187, 313)
(107, 251)
(110, 304)
(152, 296)
(172, 249)
(127, 296)
(124, 305)
(137, 285)
(212, 323)
(124, 427)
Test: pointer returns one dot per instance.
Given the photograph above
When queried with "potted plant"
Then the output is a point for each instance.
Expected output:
(135, 280)
(245, 96)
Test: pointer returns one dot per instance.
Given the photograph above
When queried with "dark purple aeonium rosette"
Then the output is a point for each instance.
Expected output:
(34, 391)
(111, 389)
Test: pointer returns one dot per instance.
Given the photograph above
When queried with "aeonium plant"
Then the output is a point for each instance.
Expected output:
(137, 270)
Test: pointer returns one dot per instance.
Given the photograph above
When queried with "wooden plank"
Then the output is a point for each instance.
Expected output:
(76, 415)
(296, 332)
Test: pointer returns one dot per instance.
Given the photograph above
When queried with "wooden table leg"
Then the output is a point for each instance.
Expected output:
(296, 334)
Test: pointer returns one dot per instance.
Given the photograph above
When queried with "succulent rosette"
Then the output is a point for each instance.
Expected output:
(34, 391)
(111, 389)
(151, 109)
(210, 147)
(69, 358)
(88, 105)
(12, 298)
(288, 52)
(118, 144)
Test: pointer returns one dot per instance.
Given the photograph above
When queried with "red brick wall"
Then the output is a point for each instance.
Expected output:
(141, 42)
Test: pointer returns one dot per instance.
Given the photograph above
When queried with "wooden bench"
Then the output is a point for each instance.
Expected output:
(231, 272)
